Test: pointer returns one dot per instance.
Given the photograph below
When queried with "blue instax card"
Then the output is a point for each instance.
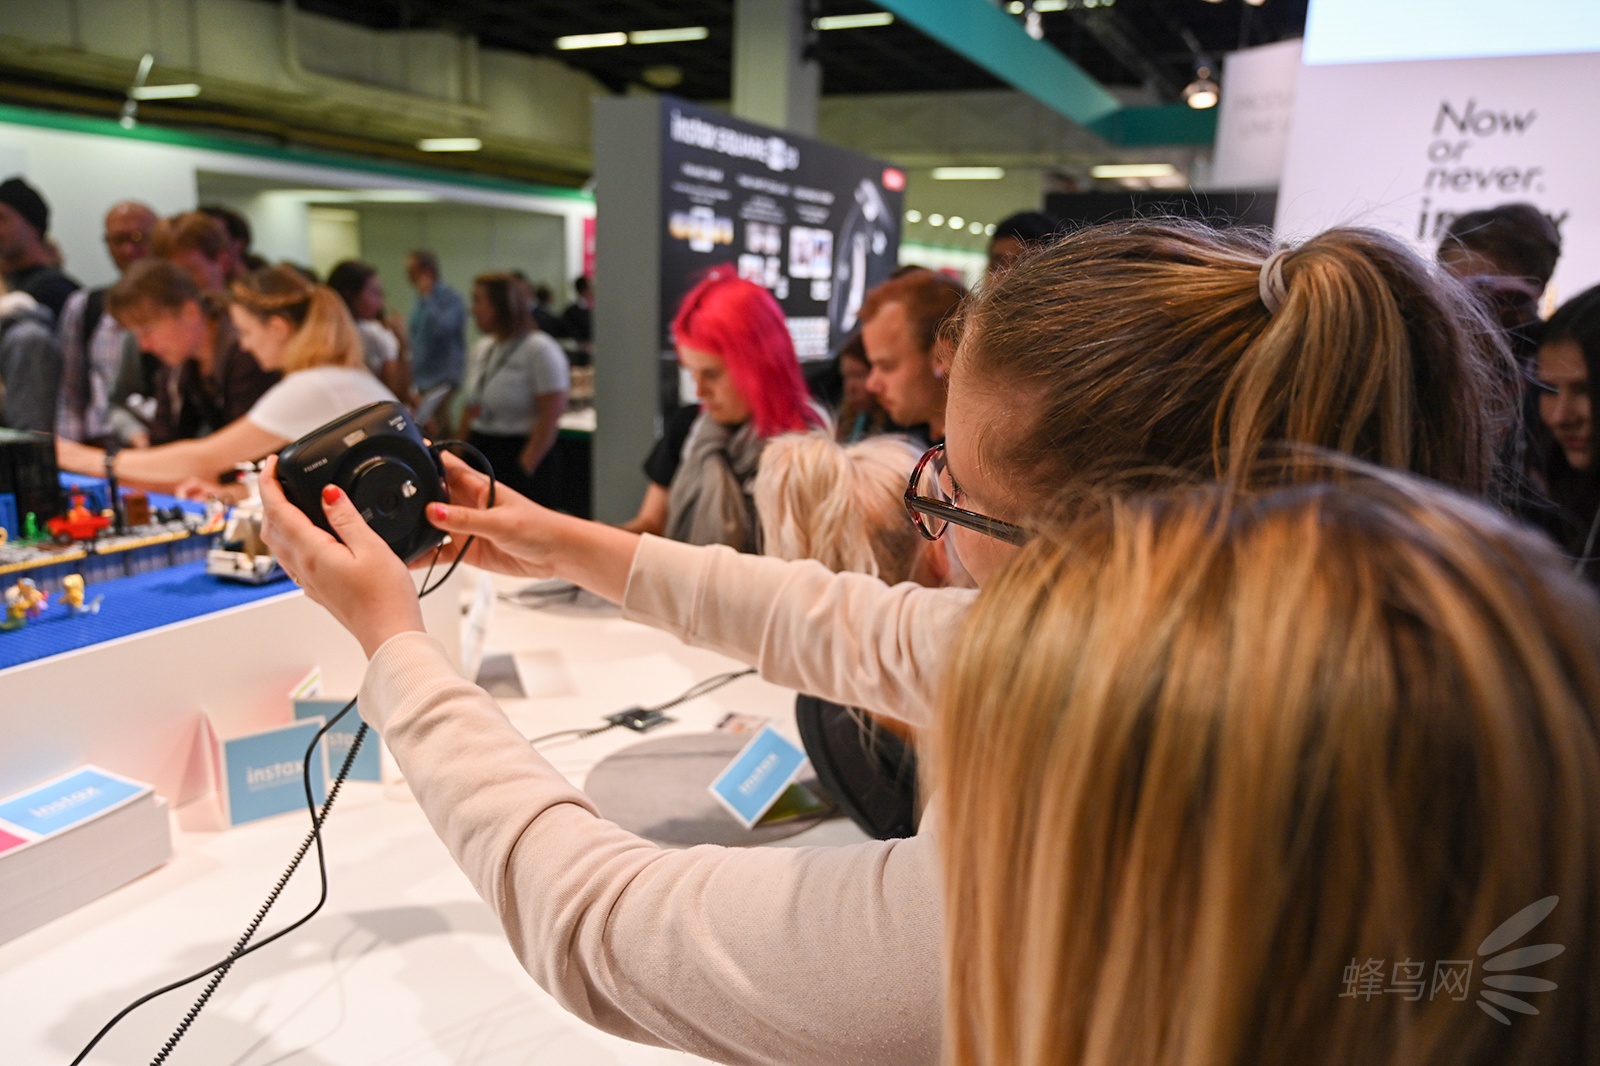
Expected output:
(368, 764)
(263, 772)
(758, 775)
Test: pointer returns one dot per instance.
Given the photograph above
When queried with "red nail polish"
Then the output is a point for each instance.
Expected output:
(436, 512)
(330, 494)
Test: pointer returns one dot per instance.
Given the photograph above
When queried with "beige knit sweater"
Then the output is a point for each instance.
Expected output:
(743, 955)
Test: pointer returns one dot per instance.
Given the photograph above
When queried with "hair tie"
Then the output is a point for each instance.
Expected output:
(1271, 286)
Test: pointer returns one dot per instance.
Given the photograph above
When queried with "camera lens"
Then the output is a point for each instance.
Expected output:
(387, 503)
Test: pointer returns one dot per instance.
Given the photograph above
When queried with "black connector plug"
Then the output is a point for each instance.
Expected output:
(638, 719)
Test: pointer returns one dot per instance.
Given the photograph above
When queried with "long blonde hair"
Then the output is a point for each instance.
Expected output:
(840, 505)
(1204, 757)
(324, 333)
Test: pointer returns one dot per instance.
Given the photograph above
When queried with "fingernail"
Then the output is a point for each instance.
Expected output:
(438, 512)
(330, 494)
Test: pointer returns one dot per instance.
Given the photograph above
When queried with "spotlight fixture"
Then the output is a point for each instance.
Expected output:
(975, 228)
(1202, 93)
(957, 222)
(935, 219)
(130, 106)
(913, 215)
(988, 231)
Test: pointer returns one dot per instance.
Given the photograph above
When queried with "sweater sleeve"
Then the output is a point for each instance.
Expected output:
(848, 638)
(759, 955)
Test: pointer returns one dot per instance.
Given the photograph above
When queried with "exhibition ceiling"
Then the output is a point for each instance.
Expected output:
(1148, 44)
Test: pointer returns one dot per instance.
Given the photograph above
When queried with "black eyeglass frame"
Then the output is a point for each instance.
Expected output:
(919, 507)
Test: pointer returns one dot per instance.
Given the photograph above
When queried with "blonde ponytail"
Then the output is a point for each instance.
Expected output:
(838, 505)
(1146, 345)
(324, 335)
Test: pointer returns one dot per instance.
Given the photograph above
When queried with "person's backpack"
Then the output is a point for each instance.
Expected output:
(870, 772)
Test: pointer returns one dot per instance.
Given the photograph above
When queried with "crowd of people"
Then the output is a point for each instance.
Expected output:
(192, 361)
(1233, 597)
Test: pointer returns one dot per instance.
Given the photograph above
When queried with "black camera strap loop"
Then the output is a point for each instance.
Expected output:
(466, 453)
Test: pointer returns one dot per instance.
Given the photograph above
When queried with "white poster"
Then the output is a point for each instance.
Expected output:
(1405, 147)
(1253, 117)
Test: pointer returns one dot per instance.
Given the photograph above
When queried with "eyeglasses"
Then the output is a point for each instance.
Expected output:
(933, 510)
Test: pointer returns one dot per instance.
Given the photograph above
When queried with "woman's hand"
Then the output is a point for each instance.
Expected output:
(516, 536)
(357, 577)
(200, 488)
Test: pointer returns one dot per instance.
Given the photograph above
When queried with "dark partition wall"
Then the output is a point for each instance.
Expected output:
(682, 189)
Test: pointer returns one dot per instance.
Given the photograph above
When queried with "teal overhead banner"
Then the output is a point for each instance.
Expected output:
(985, 34)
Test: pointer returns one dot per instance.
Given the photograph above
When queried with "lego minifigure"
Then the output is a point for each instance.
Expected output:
(23, 601)
(72, 597)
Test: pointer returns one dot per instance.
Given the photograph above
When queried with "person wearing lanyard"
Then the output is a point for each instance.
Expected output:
(517, 385)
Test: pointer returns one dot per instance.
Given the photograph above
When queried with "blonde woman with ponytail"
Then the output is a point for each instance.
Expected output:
(287, 323)
(1231, 781)
(1147, 346)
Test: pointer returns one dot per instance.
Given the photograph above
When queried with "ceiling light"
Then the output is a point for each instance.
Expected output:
(852, 22)
(936, 219)
(591, 40)
(449, 144)
(1046, 6)
(913, 216)
(682, 33)
(1016, 7)
(975, 228)
(165, 92)
(956, 222)
(988, 231)
(1255, 3)
(1133, 170)
(1202, 92)
(968, 173)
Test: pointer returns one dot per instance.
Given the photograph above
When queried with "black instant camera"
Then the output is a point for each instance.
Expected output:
(377, 456)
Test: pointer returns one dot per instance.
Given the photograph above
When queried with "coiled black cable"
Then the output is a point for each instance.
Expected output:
(243, 946)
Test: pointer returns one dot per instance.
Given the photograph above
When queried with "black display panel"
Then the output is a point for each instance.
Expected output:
(816, 224)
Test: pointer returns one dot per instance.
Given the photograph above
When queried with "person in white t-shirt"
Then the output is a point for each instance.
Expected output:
(288, 323)
(516, 390)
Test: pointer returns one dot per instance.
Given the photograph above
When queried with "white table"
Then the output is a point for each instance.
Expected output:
(405, 965)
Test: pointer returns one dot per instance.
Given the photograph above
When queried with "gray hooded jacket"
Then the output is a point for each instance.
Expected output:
(30, 364)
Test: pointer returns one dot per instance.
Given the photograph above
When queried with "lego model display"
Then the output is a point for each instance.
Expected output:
(103, 533)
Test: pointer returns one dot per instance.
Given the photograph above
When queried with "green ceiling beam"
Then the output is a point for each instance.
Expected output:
(1139, 127)
(985, 34)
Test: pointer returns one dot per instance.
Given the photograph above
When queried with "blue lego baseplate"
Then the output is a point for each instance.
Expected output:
(131, 605)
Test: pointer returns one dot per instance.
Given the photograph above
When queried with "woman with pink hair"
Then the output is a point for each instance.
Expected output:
(732, 338)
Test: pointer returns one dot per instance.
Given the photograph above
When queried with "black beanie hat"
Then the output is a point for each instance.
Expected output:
(25, 200)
